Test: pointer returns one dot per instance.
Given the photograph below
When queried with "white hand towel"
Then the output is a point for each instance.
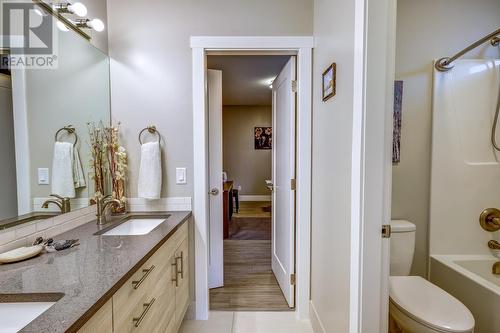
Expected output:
(62, 170)
(150, 171)
(78, 176)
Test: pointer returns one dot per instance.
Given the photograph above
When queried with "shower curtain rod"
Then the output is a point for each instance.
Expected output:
(444, 64)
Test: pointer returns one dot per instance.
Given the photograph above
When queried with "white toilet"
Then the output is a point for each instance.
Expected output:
(416, 305)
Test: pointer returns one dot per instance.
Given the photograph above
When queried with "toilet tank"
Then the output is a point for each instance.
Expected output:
(402, 246)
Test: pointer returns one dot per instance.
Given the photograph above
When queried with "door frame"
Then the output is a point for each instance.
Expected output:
(302, 47)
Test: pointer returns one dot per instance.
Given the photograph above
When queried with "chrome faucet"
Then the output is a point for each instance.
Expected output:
(102, 202)
(62, 202)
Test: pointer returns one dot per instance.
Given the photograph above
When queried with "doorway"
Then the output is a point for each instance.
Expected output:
(302, 47)
(252, 259)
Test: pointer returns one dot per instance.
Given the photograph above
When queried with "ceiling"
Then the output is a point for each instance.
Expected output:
(245, 79)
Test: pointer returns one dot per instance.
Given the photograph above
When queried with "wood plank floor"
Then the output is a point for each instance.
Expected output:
(249, 283)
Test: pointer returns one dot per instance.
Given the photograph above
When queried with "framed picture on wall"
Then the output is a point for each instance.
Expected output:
(263, 137)
(329, 82)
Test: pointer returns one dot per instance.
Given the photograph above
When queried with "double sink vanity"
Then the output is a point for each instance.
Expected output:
(131, 274)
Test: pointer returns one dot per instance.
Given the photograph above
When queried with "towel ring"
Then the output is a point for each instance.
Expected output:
(70, 130)
(152, 130)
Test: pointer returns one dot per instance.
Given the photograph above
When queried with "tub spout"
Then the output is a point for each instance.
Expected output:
(496, 268)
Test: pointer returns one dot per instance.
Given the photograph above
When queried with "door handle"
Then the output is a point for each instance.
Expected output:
(214, 191)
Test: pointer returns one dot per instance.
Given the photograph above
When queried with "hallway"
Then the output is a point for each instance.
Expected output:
(249, 283)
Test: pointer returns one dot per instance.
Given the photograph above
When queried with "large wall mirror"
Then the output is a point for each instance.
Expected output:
(36, 104)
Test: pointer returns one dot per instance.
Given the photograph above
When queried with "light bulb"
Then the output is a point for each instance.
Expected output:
(61, 26)
(96, 24)
(78, 9)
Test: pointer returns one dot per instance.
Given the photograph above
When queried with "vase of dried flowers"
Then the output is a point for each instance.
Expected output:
(116, 156)
(97, 151)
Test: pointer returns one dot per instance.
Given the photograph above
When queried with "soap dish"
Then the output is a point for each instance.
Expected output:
(21, 253)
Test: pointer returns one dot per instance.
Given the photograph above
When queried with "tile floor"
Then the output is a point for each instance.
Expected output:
(247, 322)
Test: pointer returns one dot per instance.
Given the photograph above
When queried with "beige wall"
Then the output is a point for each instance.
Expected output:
(245, 165)
(8, 190)
(334, 24)
(151, 66)
(427, 30)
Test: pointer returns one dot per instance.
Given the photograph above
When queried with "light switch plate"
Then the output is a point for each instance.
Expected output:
(180, 176)
(43, 176)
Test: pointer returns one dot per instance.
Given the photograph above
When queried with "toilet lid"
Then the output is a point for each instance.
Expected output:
(429, 304)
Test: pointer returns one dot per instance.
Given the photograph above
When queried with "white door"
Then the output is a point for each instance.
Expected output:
(283, 198)
(216, 242)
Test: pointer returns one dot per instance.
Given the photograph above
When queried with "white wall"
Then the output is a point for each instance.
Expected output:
(427, 30)
(151, 66)
(245, 165)
(331, 174)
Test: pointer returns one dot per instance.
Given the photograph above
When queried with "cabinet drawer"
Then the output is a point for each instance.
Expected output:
(147, 283)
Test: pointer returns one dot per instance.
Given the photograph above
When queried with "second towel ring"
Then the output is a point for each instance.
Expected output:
(71, 130)
(151, 129)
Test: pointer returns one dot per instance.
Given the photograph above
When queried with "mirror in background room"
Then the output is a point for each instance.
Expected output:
(45, 121)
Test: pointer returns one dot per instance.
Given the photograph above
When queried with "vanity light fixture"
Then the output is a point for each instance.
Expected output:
(76, 8)
(95, 24)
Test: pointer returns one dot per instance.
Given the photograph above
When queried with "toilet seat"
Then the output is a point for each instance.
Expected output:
(429, 305)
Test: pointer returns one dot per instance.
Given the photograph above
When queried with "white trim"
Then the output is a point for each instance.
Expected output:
(251, 42)
(254, 197)
(303, 46)
(316, 322)
(374, 61)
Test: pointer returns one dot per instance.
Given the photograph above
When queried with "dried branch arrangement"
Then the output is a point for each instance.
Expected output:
(117, 165)
(97, 150)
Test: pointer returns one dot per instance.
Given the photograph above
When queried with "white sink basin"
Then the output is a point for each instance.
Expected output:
(134, 227)
(17, 315)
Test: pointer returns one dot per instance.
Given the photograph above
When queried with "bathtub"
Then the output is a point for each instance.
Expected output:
(469, 278)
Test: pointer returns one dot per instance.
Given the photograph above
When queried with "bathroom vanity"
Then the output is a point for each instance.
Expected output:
(112, 282)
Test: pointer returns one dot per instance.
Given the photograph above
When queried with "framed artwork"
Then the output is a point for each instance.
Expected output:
(263, 137)
(329, 82)
(396, 132)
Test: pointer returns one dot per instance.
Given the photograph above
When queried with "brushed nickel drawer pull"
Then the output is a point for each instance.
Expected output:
(176, 278)
(146, 272)
(138, 321)
(181, 272)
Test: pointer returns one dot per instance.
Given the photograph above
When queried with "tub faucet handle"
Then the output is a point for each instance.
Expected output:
(490, 219)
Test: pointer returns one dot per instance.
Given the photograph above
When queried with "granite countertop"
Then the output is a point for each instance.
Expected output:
(87, 275)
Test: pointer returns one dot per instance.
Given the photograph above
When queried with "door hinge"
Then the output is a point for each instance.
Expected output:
(293, 184)
(294, 86)
(386, 231)
(292, 279)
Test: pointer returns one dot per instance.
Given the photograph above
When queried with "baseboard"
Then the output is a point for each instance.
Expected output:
(316, 323)
(254, 197)
(163, 204)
